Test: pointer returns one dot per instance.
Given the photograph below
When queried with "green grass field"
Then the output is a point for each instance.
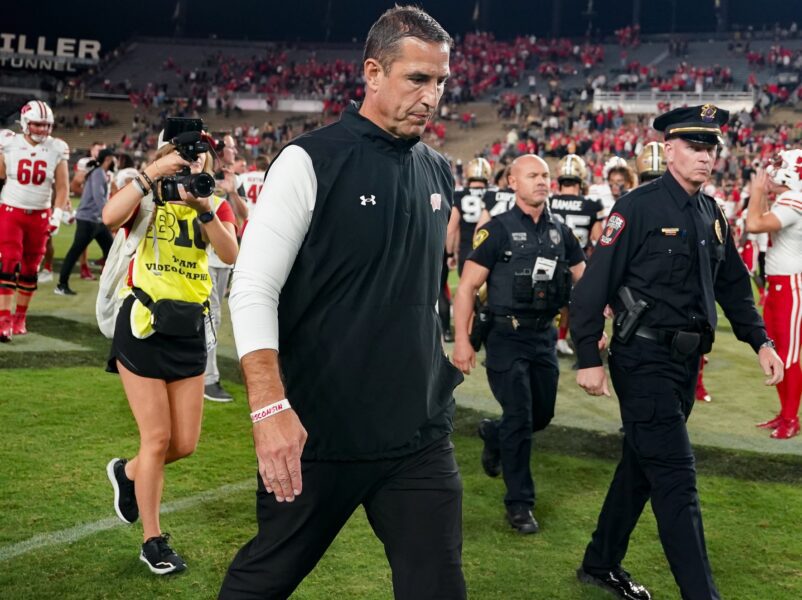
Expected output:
(62, 417)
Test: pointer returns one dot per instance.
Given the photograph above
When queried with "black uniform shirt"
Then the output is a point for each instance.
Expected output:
(493, 240)
(651, 245)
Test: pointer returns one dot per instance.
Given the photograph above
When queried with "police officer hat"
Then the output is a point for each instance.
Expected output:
(700, 124)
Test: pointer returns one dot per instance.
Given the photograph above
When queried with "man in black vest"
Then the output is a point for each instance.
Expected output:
(340, 269)
(528, 260)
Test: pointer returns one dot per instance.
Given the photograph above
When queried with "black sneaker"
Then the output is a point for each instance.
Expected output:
(491, 455)
(216, 393)
(160, 558)
(63, 290)
(124, 497)
(617, 581)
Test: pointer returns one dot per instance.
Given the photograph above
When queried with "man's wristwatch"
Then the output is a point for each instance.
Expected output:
(206, 217)
(769, 343)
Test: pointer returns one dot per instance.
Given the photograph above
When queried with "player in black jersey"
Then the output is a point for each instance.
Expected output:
(468, 204)
(582, 215)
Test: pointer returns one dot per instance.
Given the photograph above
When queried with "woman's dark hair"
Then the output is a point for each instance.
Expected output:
(397, 23)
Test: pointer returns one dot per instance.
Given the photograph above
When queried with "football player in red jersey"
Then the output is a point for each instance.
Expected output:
(33, 165)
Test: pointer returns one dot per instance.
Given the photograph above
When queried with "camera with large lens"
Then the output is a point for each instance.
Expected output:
(190, 142)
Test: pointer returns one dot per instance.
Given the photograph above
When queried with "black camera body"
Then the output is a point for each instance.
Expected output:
(190, 142)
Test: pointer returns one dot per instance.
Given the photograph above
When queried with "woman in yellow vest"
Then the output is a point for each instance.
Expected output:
(160, 337)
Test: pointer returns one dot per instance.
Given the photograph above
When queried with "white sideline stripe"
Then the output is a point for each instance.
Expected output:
(73, 534)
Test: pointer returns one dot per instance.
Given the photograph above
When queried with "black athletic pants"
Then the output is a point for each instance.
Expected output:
(413, 503)
(85, 232)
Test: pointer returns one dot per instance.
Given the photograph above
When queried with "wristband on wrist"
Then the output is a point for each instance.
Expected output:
(263, 413)
(148, 179)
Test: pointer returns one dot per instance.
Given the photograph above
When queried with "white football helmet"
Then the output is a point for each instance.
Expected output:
(614, 162)
(36, 111)
(786, 169)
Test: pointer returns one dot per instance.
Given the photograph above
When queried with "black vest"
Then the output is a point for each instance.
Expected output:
(513, 288)
(359, 338)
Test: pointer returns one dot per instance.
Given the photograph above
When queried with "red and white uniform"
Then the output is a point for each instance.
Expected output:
(25, 208)
(783, 310)
(252, 182)
(30, 171)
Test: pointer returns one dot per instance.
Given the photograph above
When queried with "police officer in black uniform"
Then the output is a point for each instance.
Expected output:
(663, 261)
(528, 260)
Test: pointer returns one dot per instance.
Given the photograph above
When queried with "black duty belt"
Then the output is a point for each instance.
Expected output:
(703, 340)
(661, 336)
(515, 321)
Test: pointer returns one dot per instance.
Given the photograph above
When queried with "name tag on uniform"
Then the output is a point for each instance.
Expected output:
(670, 231)
(544, 269)
(519, 237)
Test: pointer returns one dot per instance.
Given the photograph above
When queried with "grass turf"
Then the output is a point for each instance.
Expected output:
(61, 421)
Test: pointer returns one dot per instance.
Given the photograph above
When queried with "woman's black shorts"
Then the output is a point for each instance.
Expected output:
(158, 356)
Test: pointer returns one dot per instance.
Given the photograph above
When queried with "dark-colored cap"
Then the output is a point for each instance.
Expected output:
(701, 124)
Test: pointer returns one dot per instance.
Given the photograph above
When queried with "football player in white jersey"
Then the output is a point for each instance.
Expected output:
(251, 181)
(783, 309)
(34, 164)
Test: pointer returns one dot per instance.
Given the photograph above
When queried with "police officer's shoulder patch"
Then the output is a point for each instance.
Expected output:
(615, 225)
(480, 237)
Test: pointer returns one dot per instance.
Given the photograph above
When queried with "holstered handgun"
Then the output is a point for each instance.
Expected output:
(626, 322)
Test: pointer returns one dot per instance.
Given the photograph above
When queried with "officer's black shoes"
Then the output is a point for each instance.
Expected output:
(617, 582)
(521, 519)
(491, 455)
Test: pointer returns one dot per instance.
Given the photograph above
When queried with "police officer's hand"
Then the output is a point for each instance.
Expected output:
(279, 441)
(593, 380)
(772, 365)
(464, 356)
(602, 341)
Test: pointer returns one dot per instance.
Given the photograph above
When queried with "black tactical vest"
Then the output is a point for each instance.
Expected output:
(513, 287)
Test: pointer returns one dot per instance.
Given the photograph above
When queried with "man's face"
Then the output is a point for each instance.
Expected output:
(530, 179)
(39, 129)
(406, 96)
(617, 183)
(690, 162)
(95, 149)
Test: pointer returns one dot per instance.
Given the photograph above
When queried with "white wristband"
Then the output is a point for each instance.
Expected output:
(269, 410)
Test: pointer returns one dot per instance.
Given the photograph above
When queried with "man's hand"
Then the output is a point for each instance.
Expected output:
(593, 380)
(602, 344)
(279, 441)
(464, 356)
(772, 365)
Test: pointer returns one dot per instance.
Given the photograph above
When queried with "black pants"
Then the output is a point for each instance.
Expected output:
(85, 232)
(657, 464)
(527, 392)
(413, 503)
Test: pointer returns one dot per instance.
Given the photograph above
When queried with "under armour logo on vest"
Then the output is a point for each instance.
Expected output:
(366, 199)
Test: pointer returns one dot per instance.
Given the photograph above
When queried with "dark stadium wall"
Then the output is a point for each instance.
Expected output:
(347, 20)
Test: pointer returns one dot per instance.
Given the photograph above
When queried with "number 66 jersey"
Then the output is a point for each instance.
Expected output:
(30, 170)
